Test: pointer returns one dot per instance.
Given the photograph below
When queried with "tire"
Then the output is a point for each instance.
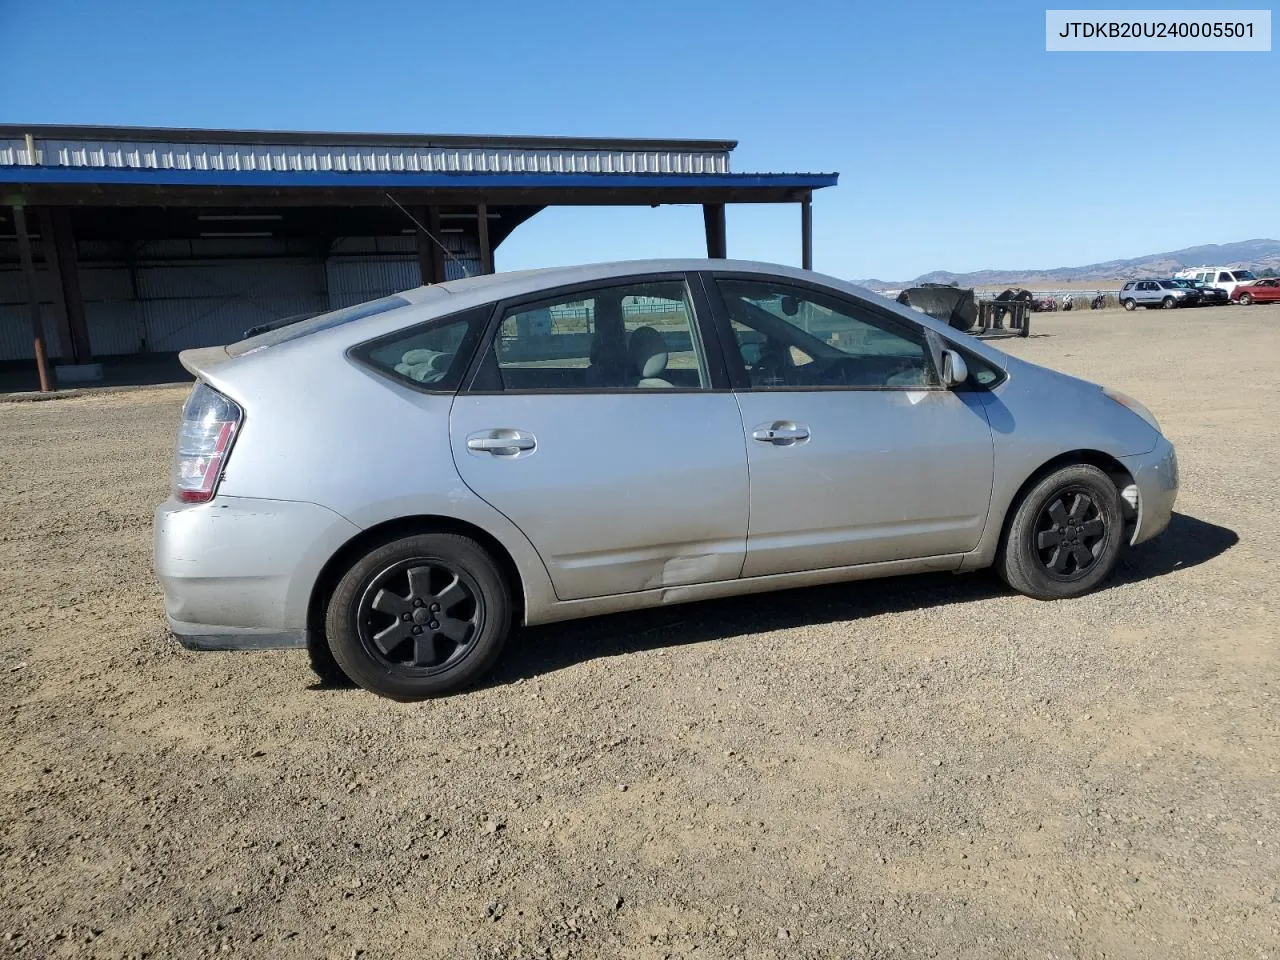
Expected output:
(1051, 511)
(1128, 304)
(419, 617)
(1169, 303)
(1245, 299)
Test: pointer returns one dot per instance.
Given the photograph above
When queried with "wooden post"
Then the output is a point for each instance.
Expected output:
(482, 229)
(806, 233)
(713, 221)
(64, 239)
(33, 304)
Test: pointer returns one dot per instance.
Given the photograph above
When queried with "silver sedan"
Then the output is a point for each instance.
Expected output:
(396, 485)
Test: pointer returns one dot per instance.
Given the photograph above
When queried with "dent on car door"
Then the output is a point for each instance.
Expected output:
(856, 453)
(592, 424)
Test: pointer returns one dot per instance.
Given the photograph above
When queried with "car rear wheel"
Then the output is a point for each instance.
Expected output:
(1065, 536)
(1169, 303)
(1245, 299)
(1128, 304)
(419, 617)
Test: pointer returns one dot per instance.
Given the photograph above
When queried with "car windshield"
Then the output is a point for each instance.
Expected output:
(1243, 275)
(1170, 284)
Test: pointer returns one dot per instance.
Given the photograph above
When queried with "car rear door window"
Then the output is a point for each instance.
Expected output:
(630, 336)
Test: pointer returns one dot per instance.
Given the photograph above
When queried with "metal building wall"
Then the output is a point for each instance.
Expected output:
(172, 301)
(15, 316)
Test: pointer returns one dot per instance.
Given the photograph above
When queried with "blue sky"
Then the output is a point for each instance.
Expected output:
(1110, 155)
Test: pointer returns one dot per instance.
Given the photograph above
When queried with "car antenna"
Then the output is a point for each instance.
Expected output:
(418, 223)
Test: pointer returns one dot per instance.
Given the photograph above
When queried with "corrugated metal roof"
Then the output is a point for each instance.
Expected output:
(59, 149)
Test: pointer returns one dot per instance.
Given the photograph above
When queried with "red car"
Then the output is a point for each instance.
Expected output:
(1262, 291)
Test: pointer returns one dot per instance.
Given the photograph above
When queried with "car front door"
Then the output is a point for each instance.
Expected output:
(856, 453)
(593, 422)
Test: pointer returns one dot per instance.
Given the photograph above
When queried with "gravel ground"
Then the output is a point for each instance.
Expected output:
(919, 767)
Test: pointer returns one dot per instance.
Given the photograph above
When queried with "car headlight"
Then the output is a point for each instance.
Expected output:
(1127, 401)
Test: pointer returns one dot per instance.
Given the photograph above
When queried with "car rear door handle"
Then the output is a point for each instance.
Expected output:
(781, 433)
(501, 443)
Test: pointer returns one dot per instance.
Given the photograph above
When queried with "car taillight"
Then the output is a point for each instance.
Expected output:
(209, 424)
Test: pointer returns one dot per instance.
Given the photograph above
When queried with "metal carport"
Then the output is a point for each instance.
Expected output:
(124, 241)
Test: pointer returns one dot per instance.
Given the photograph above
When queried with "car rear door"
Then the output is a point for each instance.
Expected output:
(598, 423)
(856, 453)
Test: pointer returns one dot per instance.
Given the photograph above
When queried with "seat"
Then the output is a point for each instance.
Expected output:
(648, 353)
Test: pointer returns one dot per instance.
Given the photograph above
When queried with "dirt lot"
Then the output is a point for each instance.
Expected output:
(912, 768)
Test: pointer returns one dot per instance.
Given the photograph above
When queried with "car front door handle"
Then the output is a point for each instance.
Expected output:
(501, 443)
(781, 433)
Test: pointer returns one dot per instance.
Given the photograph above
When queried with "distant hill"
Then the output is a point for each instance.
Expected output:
(1253, 254)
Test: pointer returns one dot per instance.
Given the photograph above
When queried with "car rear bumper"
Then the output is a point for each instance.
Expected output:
(1156, 476)
(237, 573)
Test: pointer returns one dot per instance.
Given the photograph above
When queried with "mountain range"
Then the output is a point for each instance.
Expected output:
(1253, 254)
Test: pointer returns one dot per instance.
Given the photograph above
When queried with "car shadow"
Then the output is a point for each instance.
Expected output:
(533, 651)
(1187, 542)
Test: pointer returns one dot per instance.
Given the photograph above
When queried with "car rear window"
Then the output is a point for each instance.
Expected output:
(325, 321)
(431, 356)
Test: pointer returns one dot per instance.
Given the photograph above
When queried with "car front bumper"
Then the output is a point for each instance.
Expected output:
(237, 573)
(1156, 475)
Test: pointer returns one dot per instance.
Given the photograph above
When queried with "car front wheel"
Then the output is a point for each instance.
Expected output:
(1065, 536)
(1245, 299)
(1169, 303)
(418, 617)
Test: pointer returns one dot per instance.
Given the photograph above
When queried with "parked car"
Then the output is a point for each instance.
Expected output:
(1157, 293)
(1227, 279)
(396, 485)
(1209, 296)
(1261, 291)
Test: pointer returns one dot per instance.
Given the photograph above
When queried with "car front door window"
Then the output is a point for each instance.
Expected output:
(789, 337)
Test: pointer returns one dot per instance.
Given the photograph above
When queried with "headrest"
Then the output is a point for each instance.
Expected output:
(648, 351)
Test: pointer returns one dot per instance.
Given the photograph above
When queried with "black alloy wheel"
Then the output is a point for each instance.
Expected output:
(420, 614)
(1070, 535)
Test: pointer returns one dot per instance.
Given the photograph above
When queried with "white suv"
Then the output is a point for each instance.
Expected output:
(1220, 277)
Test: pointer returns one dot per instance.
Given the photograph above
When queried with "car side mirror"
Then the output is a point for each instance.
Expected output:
(954, 370)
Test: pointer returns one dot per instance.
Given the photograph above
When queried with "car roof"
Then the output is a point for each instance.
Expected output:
(499, 286)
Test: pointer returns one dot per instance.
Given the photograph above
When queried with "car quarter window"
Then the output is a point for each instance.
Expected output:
(789, 336)
(433, 355)
(640, 335)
